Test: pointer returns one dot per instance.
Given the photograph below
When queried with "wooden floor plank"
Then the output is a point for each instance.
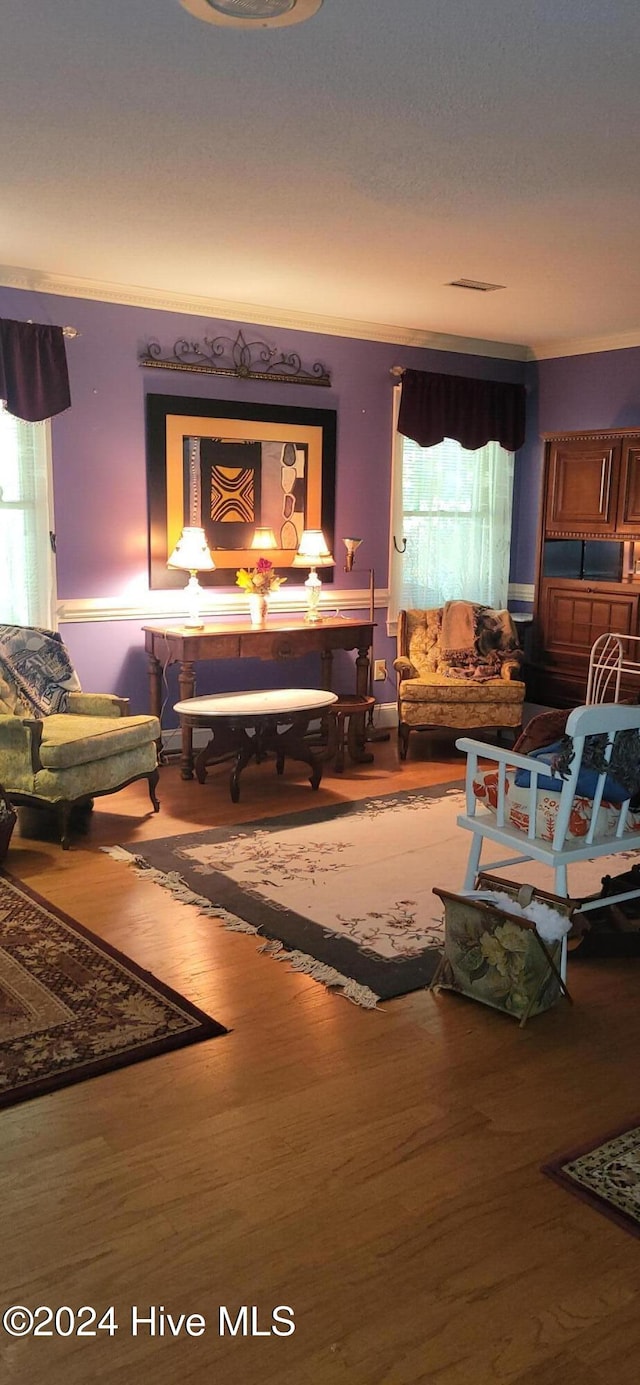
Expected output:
(379, 1171)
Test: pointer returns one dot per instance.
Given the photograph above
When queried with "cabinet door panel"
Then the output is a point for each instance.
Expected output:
(573, 617)
(629, 498)
(582, 485)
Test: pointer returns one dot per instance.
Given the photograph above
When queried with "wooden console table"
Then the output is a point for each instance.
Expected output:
(280, 639)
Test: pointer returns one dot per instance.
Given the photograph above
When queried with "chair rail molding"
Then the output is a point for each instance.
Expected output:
(170, 605)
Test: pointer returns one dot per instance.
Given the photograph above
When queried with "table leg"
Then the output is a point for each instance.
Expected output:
(326, 669)
(246, 752)
(356, 740)
(291, 742)
(222, 745)
(364, 686)
(187, 687)
(155, 685)
(362, 671)
(155, 694)
(357, 734)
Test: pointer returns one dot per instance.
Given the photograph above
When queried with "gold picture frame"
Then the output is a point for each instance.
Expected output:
(230, 468)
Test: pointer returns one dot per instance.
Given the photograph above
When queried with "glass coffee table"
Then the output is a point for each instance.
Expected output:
(251, 725)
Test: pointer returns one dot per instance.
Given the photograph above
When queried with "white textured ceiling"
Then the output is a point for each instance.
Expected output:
(347, 167)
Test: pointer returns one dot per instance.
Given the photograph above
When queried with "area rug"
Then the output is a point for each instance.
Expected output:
(343, 893)
(606, 1174)
(72, 1007)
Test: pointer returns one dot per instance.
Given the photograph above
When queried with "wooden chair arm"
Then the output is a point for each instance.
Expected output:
(404, 667)
(511, 670)
(33, 726)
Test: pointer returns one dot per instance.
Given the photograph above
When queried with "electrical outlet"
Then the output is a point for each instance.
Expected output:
(379, 670)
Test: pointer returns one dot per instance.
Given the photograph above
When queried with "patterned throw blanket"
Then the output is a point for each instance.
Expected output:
(476, 641)
(36, 673)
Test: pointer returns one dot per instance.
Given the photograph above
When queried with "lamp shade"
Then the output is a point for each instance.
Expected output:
(313, 550)
(264, 538)
(191, 552)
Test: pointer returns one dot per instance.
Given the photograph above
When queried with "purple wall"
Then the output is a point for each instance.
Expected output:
(599, 390)
(99, 464)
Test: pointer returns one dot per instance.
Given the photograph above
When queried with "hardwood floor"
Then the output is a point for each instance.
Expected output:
(376, 1171)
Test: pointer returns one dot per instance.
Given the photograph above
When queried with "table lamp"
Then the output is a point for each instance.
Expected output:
(192, 555)
(264, 538)
(312, 553)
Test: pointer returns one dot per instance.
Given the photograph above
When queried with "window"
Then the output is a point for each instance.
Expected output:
(453, 508)
(27, 569)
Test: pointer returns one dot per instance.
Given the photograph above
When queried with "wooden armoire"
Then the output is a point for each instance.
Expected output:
(586, 582)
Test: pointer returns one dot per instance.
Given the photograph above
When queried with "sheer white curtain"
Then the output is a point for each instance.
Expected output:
(451, 510)
(27, 568)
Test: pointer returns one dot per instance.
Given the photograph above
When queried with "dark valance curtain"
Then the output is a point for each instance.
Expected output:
(34, 380)
(472, 412)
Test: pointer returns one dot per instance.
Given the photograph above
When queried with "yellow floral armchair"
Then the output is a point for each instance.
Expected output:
(60, 747)
(482, 689)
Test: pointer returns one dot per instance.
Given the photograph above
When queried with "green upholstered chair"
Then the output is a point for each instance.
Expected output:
(60, 747)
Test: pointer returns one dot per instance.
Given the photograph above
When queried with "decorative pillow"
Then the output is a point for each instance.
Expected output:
(485, 788)
(36, 673)
(542, 730)
(587, 778)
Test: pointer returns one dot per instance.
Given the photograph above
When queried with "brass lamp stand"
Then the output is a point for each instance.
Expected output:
(373, 733)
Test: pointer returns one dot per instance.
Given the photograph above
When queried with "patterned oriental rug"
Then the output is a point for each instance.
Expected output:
(606, 1174)
(341, 893)
(72, 1007)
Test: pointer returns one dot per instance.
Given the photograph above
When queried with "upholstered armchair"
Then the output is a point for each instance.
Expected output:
(60, 747)
(475, 687)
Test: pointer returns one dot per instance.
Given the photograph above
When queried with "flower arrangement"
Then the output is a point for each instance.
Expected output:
(261, 579)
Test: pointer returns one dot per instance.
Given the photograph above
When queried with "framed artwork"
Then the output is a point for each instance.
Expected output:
(230, 468)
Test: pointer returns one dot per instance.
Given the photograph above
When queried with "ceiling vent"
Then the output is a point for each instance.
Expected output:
(252, 14)
(475, 284)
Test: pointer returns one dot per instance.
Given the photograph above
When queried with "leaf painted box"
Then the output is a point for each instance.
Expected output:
(499, 958)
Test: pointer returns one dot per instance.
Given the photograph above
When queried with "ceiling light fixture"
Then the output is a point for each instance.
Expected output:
(252, 14)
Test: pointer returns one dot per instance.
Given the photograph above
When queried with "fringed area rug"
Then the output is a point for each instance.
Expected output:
(606, 1174)
(342, 893)
(72, 1007)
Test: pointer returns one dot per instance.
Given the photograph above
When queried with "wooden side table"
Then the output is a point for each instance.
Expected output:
(279, 640)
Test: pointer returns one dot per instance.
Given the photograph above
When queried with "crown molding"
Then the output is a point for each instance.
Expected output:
(37, 281)
(616, 341)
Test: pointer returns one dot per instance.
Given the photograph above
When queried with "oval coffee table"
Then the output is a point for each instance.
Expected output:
(251, 724)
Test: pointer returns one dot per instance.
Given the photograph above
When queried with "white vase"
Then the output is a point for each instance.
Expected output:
(258, 608)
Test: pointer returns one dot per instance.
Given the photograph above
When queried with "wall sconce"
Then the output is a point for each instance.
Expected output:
(352, 546)
(192, 555)
(312, 553)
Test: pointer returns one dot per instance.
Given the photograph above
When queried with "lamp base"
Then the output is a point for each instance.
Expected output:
(313, 588)
(193, 592)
